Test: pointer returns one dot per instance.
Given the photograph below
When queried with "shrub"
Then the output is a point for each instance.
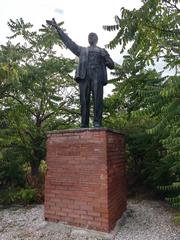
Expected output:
(172, 193)
(11, 168)
(8, 196)
(177, 219)
(27, 195)
(17, 195)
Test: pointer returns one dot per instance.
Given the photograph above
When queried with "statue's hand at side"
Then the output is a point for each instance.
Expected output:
(52, 23)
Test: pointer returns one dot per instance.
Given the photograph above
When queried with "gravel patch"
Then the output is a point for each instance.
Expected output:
(145, 220)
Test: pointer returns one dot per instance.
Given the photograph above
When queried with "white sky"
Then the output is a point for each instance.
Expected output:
(80, 17)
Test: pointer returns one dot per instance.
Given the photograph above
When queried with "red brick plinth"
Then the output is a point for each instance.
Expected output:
(85, 184)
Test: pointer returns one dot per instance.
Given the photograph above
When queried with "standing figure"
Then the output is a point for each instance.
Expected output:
(91, 74)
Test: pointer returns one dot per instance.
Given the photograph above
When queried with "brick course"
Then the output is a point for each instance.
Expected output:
(85, 183)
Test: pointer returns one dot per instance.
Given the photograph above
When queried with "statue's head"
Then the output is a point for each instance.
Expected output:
(93, 39)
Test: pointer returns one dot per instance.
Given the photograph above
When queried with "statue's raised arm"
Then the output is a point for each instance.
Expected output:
(71, 45)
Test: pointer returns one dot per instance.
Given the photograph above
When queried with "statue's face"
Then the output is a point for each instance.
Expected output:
(93, 39)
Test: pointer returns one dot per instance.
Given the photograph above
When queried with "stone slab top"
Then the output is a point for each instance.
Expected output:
(76, 130)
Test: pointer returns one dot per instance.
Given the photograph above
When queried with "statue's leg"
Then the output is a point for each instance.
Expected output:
(84, 86)
(97, 92)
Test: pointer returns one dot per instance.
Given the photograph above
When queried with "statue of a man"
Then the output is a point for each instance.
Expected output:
(91, 74)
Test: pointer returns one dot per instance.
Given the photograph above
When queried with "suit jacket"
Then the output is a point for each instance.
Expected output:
(82, 53)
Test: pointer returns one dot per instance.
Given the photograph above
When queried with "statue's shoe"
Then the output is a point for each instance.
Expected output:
(84, 126)
(97, 125)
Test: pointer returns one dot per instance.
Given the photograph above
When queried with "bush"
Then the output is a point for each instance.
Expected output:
(17, 195)
(177, 219)
(27, 195)
(15, 188)
(172, 193)
(11, 168)
(8, 196)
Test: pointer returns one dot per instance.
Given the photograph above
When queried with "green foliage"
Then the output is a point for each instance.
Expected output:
(8, 70)
(11, 169)
(147, 102)
(177, 219)
(174, 187)
(174, 201)
(38, 92)
(16, 195)
(11, 155)
(8, 196)
(27, 195)
(172, 193)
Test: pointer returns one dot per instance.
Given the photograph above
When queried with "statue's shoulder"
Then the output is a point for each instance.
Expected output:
(104, 51)
(100, 49)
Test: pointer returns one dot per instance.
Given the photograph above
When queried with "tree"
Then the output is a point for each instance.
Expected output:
(43, 94)
(8, 74)
(154, 34)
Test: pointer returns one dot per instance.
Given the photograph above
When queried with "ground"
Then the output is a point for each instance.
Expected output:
(143, 220)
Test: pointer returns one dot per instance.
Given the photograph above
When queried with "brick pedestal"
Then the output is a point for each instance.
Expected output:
(85, 183)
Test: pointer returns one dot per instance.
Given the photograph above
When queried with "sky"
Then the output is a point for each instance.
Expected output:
(80, 17)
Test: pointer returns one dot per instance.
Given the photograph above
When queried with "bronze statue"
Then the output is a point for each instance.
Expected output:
(91, 74)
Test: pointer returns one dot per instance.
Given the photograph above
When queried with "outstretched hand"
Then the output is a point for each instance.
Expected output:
(52, 22)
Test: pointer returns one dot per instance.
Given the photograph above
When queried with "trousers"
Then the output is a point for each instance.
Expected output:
(91, 84)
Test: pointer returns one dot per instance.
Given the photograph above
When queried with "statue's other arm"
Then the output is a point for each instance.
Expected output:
(108, 61)
(76, 49)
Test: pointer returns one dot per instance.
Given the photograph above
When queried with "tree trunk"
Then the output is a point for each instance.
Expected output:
(35, 168)
(33, 178)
